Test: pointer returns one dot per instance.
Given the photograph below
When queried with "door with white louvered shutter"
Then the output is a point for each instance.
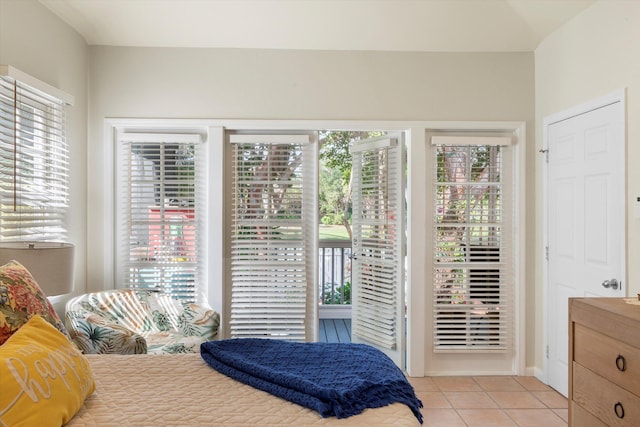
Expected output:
(378, 316)
(274, 239)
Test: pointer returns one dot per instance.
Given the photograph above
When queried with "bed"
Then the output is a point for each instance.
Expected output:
(45, 380)
(182, 390)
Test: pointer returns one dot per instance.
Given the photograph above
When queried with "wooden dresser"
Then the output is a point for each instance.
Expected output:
(604, 355)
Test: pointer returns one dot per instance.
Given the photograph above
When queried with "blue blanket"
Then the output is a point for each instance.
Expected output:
(334, 379)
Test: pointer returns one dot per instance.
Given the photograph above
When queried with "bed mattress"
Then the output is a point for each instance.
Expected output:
(182, 390)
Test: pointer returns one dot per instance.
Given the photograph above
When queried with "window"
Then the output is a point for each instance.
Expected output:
(473, 243)
(160, 212)
(34, 159)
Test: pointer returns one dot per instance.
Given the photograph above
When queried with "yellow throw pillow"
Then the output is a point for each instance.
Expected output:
(44, 379)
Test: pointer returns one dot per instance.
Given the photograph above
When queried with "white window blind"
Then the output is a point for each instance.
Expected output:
(34, 159)
(160, 209)
(378, 246)
(473, 245)
(274, 237)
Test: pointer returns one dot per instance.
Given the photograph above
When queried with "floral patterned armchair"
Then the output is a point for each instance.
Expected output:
(126, 321)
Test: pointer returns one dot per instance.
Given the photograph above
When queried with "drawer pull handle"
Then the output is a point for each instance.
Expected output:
(621, 363)
(619, 410)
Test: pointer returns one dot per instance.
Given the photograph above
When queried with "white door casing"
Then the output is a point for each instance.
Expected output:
(378, 316)
(585, 218)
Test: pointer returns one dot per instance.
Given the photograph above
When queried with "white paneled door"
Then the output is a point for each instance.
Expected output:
(378, 245)
(585, 219)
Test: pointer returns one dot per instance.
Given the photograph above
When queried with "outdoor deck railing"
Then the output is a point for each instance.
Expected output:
(335, 272)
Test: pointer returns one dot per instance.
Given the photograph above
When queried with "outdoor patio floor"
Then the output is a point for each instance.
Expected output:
(335, 330)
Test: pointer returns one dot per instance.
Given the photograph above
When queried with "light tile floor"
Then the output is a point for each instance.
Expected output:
(490, 402)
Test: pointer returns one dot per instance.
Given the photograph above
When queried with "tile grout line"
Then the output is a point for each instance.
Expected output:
(501, 409)
(496, 402)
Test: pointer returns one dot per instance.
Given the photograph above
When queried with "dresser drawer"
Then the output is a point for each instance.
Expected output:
(606, 401)
(582, 418)
(612, 359)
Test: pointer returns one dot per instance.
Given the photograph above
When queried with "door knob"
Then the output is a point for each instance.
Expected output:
(613, 283)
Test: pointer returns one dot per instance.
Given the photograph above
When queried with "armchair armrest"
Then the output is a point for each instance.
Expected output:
(199, 321)
(96, 335)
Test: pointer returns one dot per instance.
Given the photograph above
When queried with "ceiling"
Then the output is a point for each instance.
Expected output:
(386, 25)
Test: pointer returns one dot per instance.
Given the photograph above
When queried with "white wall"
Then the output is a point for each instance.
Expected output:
(593, 55)
(287, 85)
(37, 42)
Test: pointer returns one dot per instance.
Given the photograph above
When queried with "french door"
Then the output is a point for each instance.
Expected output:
(378, 316)
(274, 245)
